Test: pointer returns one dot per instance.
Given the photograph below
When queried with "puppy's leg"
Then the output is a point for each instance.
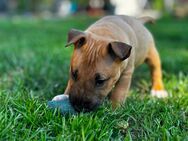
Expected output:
(153, 60)
(120, 92)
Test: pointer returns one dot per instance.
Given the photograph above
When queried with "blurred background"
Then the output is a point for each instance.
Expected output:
(63, 8)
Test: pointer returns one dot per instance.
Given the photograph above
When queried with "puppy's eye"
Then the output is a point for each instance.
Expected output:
(99, 81)
(74, 75)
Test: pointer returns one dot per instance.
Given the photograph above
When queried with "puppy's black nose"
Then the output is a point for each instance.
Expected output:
(84, 105)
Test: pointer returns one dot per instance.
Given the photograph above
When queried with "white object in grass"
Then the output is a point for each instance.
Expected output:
(60, 97)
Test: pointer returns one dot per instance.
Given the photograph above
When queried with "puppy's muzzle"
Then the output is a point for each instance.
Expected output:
(82, 104)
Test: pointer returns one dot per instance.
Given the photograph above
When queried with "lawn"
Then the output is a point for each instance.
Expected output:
(34, 67)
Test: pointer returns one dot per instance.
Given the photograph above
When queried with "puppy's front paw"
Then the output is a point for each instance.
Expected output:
(60, 97)
(159, 93)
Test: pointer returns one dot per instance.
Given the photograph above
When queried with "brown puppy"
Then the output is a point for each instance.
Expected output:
(104, 58)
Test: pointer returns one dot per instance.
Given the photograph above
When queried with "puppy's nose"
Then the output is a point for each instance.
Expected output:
(82, 105)
(86, 106)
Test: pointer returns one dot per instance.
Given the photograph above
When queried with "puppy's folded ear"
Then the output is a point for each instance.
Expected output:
(119, 50)
(76, 37)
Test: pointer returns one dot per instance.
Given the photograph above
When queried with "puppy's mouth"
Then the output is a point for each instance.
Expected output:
(83, 105)
(85, 108)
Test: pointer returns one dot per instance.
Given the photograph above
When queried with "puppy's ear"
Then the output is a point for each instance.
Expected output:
(76, 37)
(119, 50)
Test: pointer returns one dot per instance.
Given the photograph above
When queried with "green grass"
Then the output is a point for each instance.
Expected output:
(34, 67)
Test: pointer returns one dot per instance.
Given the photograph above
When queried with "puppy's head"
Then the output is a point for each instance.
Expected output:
(94, 69)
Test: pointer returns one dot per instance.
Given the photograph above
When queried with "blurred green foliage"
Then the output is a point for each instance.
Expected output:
(158, 4)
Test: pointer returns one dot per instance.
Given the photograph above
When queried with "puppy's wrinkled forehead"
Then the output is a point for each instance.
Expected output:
(90, 48)
(91, 52)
